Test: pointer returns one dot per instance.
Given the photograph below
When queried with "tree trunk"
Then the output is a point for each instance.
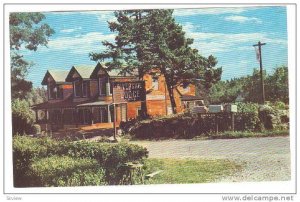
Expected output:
(172, 99)
(143, 103)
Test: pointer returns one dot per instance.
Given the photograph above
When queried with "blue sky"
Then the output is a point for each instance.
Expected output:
(226, 33)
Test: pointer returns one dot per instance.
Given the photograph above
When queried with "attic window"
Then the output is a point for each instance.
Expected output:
(84, 89)
(186, 89)
(55, 92)
(102, 86)
(155, 83)
(77, 88)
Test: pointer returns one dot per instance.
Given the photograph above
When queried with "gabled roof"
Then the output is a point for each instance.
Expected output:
(110, 73)
(59, 76)
(84, 71)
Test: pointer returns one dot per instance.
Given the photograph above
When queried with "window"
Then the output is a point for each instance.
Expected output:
(55, 92)
(155, 83)
(77, 89)
(52, 90)
(138, 111)
(84, 89)
(186, 89)
(102, 86)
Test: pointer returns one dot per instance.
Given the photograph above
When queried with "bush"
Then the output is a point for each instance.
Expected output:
(269, 117)
(189, 126)
(110, 157)
(22, 117)
(25, 151)
(66, 171)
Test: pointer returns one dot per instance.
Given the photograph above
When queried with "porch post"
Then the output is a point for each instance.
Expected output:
(62, 116)
(77, 117)
(92, 116)
(108, 114)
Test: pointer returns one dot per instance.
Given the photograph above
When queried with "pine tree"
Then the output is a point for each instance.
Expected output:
(152, 42)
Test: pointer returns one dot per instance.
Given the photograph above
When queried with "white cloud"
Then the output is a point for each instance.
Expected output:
(211, 43)
(81, 44)
(242, 19)
(208, 11)
(70, 30)
(102, 16)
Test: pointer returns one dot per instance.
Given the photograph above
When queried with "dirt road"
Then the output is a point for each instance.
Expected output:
(263, 159)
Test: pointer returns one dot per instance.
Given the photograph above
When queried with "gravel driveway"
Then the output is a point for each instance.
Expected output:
(263, 159)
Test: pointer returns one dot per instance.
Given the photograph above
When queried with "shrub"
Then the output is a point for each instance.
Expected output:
(22, 116)
(110, 157)
(25, 151)
(66, 171)
(269, 117)
(247, 107)
(189, 126)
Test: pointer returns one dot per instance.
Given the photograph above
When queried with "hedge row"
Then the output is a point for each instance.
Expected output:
(189, 126)
(250, 117)
(37, 161)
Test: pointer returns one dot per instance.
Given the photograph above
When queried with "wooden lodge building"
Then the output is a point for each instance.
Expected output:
(82, 98)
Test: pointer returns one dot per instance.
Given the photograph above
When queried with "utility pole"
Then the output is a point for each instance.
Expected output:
(258, 56)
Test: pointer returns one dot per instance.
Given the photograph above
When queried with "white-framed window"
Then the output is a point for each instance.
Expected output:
(77, 89)
(84, 89)
(155, 83)
(138, 111)
(55, 92)
(102, 86)
(186, 89)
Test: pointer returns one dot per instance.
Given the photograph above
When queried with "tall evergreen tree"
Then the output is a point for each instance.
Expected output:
(180, 64)
(151, 40)
(26, 32)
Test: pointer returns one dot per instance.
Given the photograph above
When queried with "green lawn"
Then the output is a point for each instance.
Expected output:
(181, 171)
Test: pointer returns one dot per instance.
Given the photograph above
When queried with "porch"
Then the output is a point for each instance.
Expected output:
(87, 116)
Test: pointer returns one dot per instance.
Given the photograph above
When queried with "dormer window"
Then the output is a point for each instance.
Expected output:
(55, 92)
(77, 89)
(102, 86)
(186, 89)
(84, 89)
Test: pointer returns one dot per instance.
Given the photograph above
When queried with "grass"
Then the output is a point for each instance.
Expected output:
(246, 134)
(186, 171)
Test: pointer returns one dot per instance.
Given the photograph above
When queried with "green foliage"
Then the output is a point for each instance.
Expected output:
(66, 171)
(186, 171)
(280, 105)
(269, 117)
(249, 134)
(30, 154)
(111, 157)
(247, 107)
(224, 91)
(26, 30)
(189, 126)
(150, 40)
(22, 116)
(276, 88)
(25, 151)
